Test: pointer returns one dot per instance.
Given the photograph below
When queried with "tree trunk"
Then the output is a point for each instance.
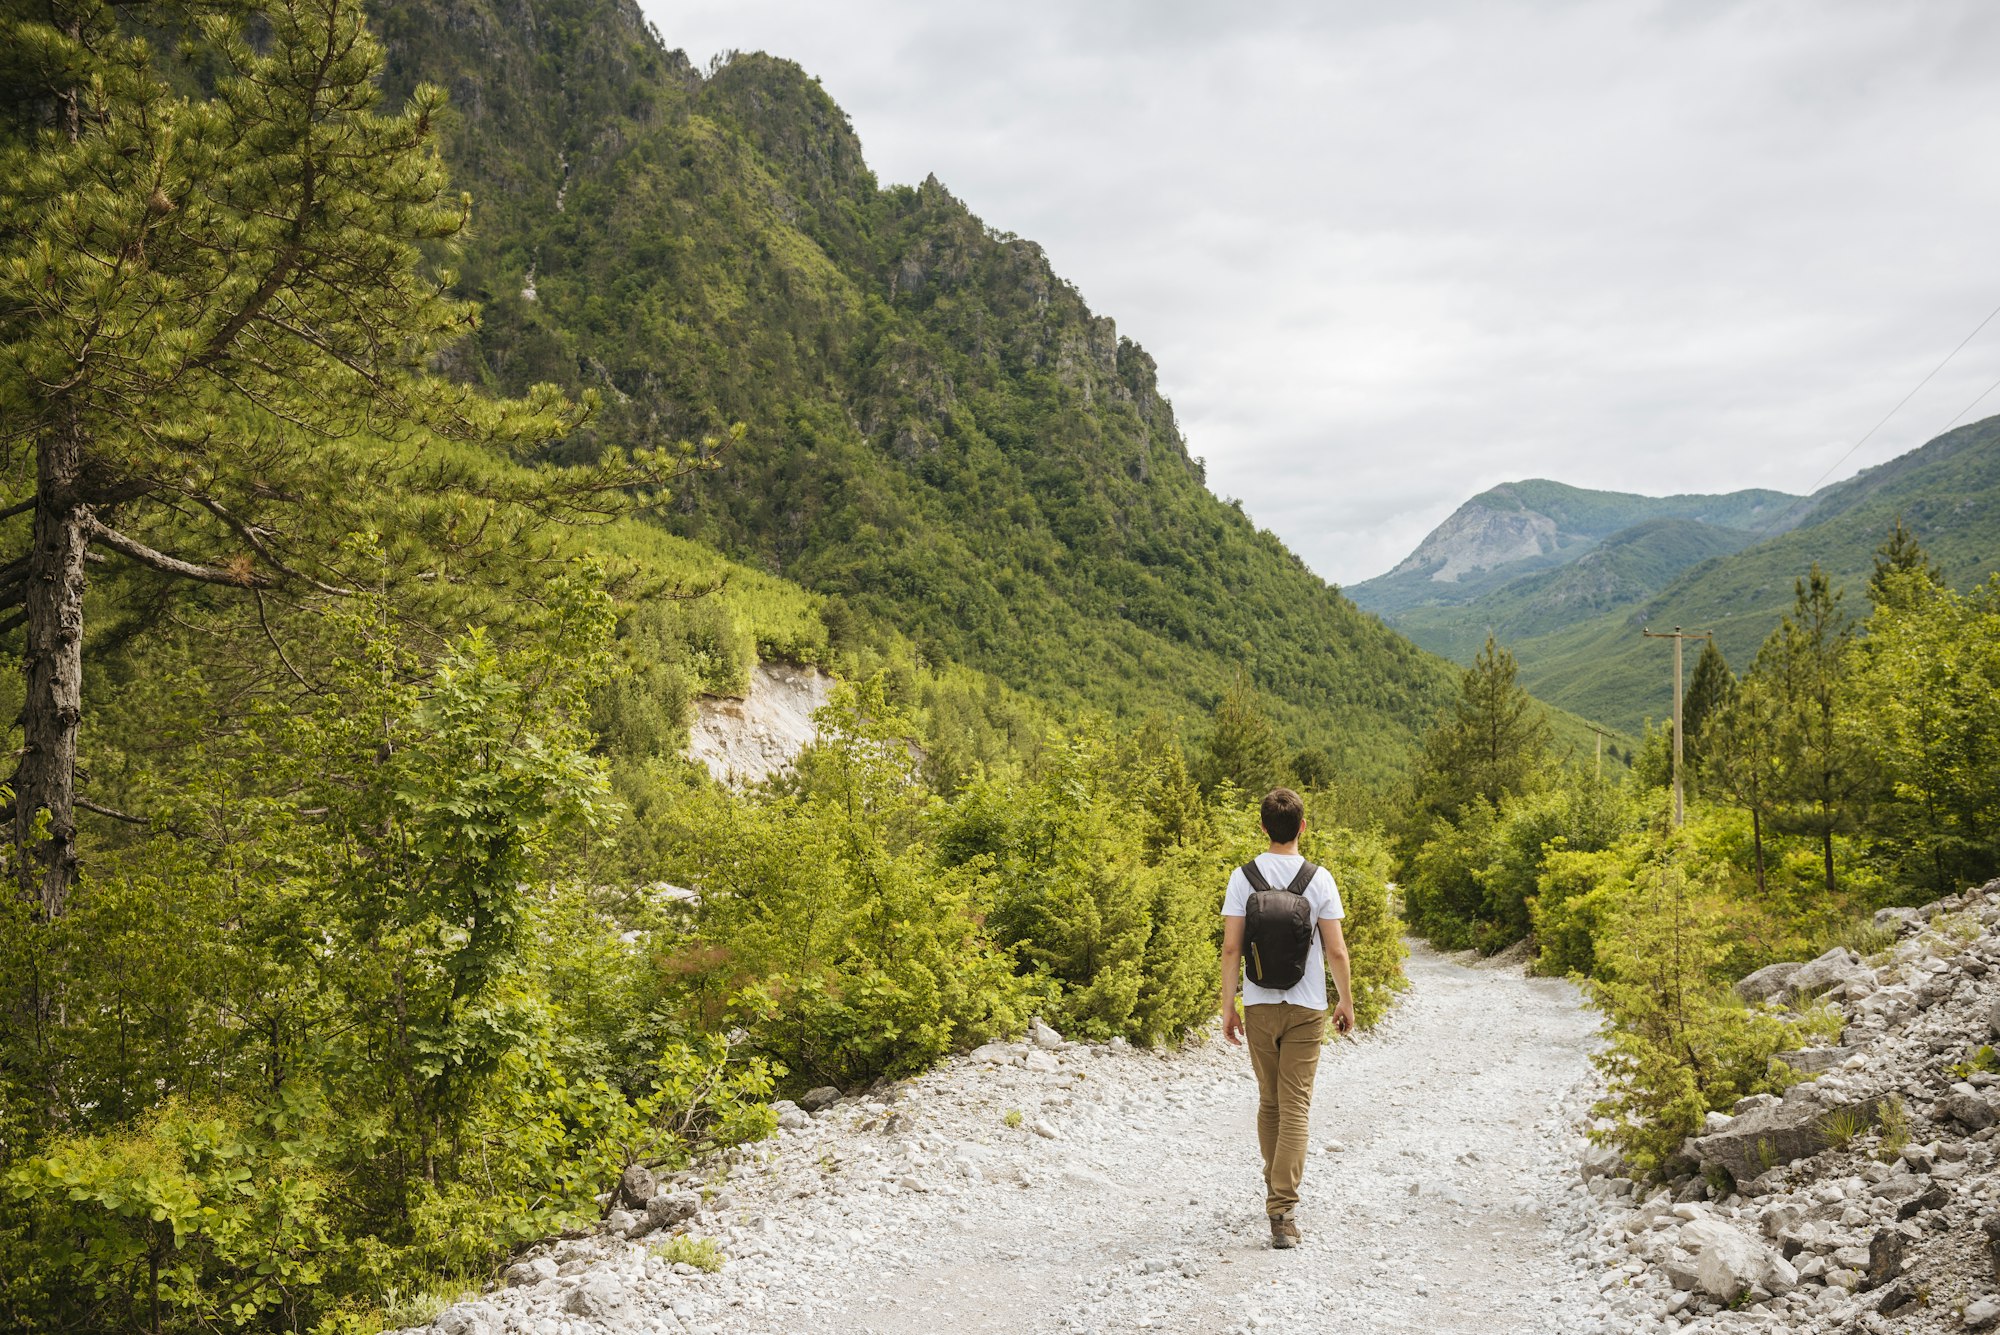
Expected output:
(1757, 839)
(45, 780)
(1826, 846)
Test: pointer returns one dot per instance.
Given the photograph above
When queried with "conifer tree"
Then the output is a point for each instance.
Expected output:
(1823, 768)
(1708, 690)
(1900, 552)
(212, 305)
(1491, 745)
(1739, 751)
(1243, 747)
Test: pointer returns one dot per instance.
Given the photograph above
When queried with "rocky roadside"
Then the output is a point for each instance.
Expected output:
(1866, 1198)
(1072, 1188)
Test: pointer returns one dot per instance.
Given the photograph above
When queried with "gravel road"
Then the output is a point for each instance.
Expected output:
(1442, 1195)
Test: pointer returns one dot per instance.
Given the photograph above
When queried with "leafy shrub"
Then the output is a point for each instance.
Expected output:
(1682, 1044)
(827, 925)
(701, 1253)
(1360, 864)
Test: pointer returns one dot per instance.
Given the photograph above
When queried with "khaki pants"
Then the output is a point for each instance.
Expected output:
(1284, 1052)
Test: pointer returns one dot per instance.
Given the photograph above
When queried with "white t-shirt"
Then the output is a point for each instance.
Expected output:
(1322, 894)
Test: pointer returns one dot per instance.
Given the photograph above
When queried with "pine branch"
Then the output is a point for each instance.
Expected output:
(238, 578)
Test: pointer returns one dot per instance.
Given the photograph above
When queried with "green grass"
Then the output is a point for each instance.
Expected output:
(682, 1249)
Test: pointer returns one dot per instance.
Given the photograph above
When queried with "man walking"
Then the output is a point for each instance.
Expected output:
(1293, 936)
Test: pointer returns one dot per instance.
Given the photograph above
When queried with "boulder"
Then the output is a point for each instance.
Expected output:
(670, 1208)
(1042, 1036)
(636, 1186)
(999, 1054)
(1990, 1226)
(817, 1100)
(521, 1274)
(1599, 1161)
(1982, 1313)
(1793, 1128)
(1934, 1199)
(1903, 921)
(470, 1319)
(1993, 1020)
(1898, 1298)
(1813, 1061)
(1885, 1258)
(1970, 1110)
(598, 1298)
(1768, 981)
(1729, 1262)
(1833, 969)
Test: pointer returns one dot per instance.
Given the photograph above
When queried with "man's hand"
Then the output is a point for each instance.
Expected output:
(1343, 1017)
(1232, 1024)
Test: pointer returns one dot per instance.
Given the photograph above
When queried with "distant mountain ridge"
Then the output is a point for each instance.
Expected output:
(1572, 614)
(1520, 528)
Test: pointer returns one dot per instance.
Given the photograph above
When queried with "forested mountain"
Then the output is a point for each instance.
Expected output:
(939, 431)
(1505, 537)
(1575, 629)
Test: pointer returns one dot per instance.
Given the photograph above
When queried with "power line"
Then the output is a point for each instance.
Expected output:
(1906, 398)
(1969, 407)
(1832, 468)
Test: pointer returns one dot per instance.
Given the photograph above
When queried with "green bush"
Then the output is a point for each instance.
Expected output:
(826, 923)
(1682, 1044)
(1360, 863)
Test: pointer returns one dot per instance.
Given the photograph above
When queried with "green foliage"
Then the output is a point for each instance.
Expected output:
(1895, 1116)
(1473, 882)
(1243, 747)
(1360, 862)
(1823, 765)
(209, 1219)
(1681, 1044)
(1899, 560)
(1491, 745)
(701, 1253)
(1984, 1060)
(1841, 1127)
(1928, 686)
(940, 433)
(1709, 692)
(826, 924)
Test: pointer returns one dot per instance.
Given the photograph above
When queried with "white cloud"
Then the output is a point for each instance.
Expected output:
(1389, 255)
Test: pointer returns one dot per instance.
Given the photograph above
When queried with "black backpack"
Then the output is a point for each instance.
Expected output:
(1277, 929)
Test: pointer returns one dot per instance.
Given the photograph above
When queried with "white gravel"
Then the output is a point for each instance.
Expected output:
(1442, 1196)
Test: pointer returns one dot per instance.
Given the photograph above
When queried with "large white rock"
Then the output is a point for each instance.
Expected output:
(1729, 1261)
(1837, 966)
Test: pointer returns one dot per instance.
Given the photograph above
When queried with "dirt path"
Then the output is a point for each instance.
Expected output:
(1128, 1197)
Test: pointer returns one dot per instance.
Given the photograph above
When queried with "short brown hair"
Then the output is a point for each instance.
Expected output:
(1283, 812)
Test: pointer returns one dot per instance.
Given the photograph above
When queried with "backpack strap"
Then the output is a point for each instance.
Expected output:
(1255, 876)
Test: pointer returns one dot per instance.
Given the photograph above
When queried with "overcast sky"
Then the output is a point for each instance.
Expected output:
(1388, 255)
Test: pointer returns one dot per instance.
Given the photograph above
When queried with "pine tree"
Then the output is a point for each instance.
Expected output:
(1491, 745)
(1823, 768)
(1243, 747)
(217, 321)
(1708, 690)
(1900, 551)
(1739, 750)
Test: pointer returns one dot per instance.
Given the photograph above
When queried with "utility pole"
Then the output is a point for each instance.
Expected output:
(1677, 636)
(1601, 735)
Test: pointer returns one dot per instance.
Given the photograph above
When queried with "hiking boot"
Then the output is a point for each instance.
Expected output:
(1284, 1233)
